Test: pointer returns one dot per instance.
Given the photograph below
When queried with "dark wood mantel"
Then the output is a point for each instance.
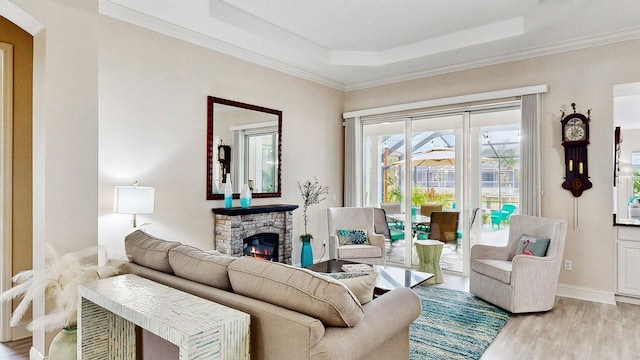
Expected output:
(260, 209)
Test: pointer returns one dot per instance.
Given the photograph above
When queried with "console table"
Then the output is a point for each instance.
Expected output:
(109, 309)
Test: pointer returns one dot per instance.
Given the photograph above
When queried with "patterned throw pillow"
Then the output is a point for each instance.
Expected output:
(533, 246)
(352, 237)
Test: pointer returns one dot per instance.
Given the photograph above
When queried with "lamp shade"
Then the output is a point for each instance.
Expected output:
(133, 200)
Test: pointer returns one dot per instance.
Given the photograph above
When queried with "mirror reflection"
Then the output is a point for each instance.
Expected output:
(626, 108)
(243, 141)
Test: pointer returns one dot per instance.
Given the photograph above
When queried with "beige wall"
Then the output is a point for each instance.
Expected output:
(585, 77)
(153, 96)
(65, 131)
(22, 109)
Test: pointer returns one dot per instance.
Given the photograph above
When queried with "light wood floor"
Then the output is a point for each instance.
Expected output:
(574, 329)
(15, 350)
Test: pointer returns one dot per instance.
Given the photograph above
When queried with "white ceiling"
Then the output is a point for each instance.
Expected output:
(351, 44)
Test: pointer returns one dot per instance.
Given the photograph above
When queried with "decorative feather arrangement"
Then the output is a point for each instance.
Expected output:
(59, 281)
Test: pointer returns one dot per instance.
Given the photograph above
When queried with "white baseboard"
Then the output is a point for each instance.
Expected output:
(628, 299)
(35, 354)
(577, 292)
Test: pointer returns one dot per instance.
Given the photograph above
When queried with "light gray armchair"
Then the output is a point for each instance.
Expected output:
(353, 218)
(520, 283)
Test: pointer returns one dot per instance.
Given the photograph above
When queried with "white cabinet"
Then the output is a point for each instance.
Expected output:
(628, 261)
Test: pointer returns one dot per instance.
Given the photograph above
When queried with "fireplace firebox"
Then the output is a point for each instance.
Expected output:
(263, 246)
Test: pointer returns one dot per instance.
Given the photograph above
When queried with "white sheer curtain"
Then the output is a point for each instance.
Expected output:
(352, 162)
(530, 154)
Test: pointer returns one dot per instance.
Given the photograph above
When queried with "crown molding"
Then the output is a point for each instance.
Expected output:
(21, 18)
(109, 9)
(557, 48)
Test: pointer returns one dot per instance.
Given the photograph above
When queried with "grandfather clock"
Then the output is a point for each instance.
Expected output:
(575, 139)
(224, 158)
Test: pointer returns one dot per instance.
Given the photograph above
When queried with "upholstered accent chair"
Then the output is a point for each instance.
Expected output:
(520, 283)
(343, 220)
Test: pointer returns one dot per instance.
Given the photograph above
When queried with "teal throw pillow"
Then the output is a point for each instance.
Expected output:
(352, 237)
(532, 246)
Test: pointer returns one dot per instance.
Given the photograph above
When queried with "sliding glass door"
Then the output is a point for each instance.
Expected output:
(496, 136)
(446, 162)
(436, 170)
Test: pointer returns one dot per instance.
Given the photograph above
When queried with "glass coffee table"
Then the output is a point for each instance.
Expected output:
(389, 277)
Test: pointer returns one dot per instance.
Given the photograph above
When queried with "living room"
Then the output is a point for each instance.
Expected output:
(115, 103)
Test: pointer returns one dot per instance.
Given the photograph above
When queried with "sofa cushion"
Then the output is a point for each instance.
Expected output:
(361, 284)
(146, 250)
(296, 289)
(359, 251)
(194, 264)
(495, 269)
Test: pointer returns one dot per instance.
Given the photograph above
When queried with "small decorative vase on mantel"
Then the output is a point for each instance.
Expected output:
(306, 255)
(64, 345)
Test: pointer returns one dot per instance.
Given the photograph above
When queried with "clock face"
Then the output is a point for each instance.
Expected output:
(575, 129)
(575, 132)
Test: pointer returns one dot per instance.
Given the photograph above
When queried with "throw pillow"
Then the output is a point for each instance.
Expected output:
(361, 284)
(533, 246)
(352, 237)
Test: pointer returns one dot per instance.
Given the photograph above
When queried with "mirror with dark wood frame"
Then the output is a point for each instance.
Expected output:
(626, 172)
(243, 140)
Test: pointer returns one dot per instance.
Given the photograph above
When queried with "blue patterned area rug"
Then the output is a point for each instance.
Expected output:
(453, 325)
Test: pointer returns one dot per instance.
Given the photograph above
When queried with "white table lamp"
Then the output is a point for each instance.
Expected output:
(133, 200)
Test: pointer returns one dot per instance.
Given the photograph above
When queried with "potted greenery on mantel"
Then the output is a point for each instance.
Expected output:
(312, 194)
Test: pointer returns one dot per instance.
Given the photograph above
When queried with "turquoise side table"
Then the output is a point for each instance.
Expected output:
(429, 252)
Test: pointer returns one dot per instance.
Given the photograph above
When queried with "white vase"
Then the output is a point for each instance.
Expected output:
(228, 192)
(64, 345)
(245, 197)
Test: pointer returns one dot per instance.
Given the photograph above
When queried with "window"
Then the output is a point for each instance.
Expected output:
(369, 134)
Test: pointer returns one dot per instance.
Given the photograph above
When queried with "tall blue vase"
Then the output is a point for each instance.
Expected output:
(306, 256)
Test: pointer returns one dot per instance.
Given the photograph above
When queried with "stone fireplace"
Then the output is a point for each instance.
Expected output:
(234, 225)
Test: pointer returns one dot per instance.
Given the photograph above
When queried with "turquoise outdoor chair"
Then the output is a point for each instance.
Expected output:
(390, 229)
(502, 215)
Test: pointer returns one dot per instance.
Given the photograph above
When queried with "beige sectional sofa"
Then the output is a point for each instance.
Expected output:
(295, 313)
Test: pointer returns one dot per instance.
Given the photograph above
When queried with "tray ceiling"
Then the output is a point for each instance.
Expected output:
(360, 43)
